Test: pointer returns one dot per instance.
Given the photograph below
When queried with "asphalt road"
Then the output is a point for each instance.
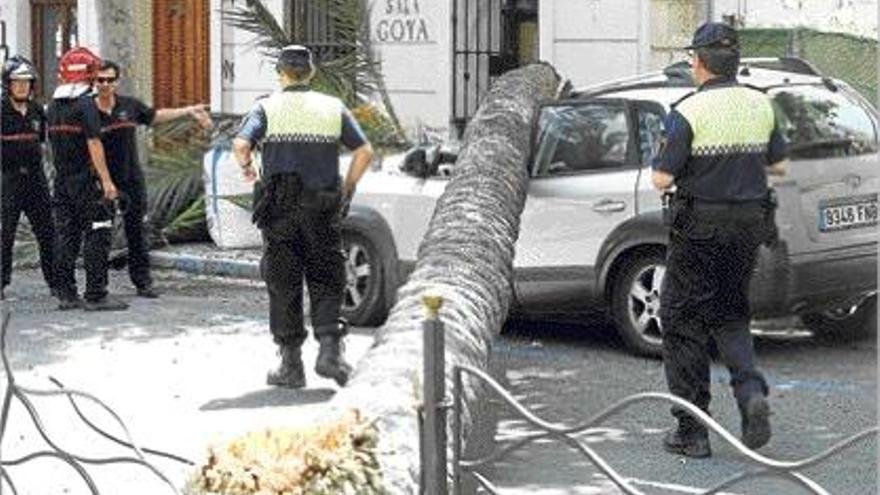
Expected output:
(820, 395)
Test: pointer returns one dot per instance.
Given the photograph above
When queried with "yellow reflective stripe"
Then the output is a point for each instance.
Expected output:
(728, 120)
(305, 116)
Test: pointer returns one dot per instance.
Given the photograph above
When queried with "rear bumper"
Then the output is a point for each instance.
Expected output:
(833, 278)
(815, 281)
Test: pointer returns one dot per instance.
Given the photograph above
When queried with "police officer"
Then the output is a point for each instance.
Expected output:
(84, 190)
(721, 142)
(120, 116)
(298, 205)
(24, 187)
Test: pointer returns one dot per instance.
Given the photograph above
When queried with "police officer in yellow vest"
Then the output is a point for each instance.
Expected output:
(721, 143)
(299, 202)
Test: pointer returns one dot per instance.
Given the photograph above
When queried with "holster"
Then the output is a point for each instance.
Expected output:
(770, 231)
(677, 210)
(276, 196)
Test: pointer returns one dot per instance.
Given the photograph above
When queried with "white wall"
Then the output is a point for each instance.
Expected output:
(239, 73)
(590, 41)
(850, 16)
(17, 16)
(412, 39)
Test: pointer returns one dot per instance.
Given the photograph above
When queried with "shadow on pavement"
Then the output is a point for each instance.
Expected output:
(273, 397)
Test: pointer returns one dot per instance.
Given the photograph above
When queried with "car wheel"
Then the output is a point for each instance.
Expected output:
(635, 302)
(363, 301)
(846, 324)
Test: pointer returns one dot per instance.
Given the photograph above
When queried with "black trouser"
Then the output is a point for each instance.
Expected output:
(83, 219)
(711, 256)
(301, 240)
(27, 191)
(135, 233)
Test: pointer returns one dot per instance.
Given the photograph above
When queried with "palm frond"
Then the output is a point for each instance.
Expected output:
(349, 69)
(255, 18)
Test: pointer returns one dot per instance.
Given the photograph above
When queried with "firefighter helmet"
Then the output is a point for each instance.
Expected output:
(18, 68)
(78, 65)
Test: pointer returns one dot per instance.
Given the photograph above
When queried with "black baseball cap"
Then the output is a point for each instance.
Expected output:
(714, 35)
(295, 56)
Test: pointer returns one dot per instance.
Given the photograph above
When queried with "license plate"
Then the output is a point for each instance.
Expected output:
(848, 213)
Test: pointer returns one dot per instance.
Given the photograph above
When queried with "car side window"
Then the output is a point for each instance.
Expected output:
(581, 137)
(650, 133)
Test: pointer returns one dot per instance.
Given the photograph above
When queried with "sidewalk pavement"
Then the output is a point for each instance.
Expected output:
(183, 372)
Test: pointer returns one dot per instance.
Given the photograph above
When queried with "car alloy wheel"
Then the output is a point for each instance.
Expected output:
(644, 303)
(635, 300)
(358, 268)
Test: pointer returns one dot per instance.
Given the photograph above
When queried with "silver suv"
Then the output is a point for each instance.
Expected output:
(592, 236)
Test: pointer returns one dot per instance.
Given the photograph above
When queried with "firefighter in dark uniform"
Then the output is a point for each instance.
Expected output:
(721, 142)
(84, 191)
(298, 204)
(24, 187)
(120, 116)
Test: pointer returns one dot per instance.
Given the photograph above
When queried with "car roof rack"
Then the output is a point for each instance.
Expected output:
(788, 64)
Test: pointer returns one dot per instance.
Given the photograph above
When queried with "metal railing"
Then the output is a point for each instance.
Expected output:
(76, 462)
(436, 479)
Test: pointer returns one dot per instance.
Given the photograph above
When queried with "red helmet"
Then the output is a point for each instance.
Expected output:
(78, 65)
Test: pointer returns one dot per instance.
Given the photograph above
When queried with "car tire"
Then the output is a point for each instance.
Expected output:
(635, 302)
(845, 324)
(363, 302)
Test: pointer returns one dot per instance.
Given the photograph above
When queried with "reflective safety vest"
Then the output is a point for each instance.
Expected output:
(728, 120)
(731, 129)
(303, 130)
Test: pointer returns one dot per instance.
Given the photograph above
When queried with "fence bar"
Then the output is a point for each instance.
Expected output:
(434, 439)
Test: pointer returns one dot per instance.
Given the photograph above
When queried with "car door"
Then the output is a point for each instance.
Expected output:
(583, 177)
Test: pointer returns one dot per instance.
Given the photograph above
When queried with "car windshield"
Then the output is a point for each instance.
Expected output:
(820, 123)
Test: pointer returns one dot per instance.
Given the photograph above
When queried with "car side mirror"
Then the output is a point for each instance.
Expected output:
(422, 161)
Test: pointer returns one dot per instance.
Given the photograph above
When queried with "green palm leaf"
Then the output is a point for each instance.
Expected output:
(346, 65)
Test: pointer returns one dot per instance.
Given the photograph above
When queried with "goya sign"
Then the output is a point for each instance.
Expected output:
(401, 21)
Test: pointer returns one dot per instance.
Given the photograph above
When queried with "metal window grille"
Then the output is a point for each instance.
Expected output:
(311, 24)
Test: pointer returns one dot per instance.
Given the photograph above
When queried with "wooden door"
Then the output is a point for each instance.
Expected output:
(180, 53)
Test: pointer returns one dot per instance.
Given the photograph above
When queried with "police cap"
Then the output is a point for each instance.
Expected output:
(295, 56)
(714, 35)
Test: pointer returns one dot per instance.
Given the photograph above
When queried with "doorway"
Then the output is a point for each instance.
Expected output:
(180, 53)
(53, 32)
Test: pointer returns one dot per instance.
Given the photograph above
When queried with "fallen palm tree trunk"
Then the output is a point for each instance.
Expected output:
(466, 257)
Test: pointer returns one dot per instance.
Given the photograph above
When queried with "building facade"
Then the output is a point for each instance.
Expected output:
(437, 56)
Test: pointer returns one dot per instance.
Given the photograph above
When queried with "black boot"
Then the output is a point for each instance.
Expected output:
(688, 439)
(330, 362)
(290, 373)
(106, 303)
(755, 415)
(68, 302)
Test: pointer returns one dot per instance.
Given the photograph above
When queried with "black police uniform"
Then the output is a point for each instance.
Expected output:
(297, 207)
(24, 185)
(719, 142)
(119, 137)
(83, 218)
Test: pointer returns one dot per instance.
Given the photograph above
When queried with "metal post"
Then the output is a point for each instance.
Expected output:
(456, 431)
(434, 400)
